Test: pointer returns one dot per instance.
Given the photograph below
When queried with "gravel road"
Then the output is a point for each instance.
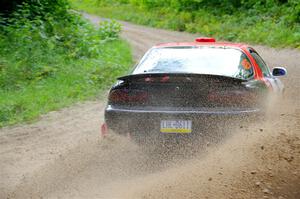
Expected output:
(62, 156)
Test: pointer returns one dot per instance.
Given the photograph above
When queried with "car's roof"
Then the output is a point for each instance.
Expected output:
(209, 44)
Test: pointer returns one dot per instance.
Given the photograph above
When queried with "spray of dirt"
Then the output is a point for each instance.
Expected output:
(260, 160)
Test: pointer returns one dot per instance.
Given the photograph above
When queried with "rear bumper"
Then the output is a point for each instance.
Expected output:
(147, 122)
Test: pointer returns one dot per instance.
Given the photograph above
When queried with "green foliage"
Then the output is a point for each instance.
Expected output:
(109, 29)
(270, 22)
(73, 81)
(49, 60)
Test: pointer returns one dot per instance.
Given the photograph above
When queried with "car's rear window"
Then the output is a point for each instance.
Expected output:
(200, 60)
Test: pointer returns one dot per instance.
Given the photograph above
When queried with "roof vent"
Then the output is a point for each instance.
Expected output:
(205, 39)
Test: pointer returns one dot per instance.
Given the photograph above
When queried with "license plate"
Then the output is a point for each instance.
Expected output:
(176, 126)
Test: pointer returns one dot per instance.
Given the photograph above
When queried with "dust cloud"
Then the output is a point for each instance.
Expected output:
(255, 160)
(260, 160)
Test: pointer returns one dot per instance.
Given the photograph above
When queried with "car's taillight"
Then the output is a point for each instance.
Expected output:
(165, 79)
(127, 96)
(232, 97)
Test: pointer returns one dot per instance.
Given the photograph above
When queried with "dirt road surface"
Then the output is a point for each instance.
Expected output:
(62, 155)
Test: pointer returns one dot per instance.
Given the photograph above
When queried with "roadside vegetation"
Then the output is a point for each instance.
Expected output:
(273, 22)
(50, 57)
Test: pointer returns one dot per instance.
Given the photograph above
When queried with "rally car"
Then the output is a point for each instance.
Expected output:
(182, 90)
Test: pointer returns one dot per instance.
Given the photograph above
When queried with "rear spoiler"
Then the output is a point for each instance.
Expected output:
(187, 75)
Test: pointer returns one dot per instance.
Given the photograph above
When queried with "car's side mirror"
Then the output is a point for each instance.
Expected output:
(279, 71)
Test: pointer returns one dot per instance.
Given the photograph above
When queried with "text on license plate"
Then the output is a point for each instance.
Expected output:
(176, 126)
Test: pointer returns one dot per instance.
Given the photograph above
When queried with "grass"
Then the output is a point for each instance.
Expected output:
(239, 27)
(73, 80)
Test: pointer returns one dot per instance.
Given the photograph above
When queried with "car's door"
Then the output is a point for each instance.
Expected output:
(276, 84)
